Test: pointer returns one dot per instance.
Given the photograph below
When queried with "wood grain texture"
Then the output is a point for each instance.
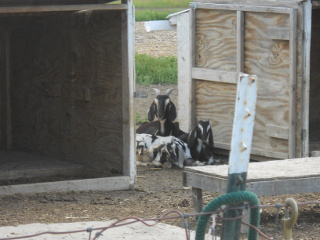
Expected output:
(269, 59)
(259, 171)
(67, 89)
(282, 3)
(215, 102)
(216, 42)
(290, 176)
(184, 34)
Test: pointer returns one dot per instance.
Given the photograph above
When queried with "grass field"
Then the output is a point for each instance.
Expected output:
(156, 70)
(147, 10)
(153, 70)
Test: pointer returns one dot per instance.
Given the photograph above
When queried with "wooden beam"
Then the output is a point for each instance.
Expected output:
(240, 42)
(62, 8)
(214, 75)
(241, 7)
(192, 29)
(307, 13)
(281, 3)
(278, 33)
(277, 131)
(293, 83)
(197, 200)
(256, 151)
(185, 83)
(96, 184)
(128, 81)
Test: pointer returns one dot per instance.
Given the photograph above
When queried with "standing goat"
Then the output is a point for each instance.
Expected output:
(164, 110)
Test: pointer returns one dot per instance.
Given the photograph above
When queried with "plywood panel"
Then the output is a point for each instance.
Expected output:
(269, 59)
(216, 44)
(67, 88)
(216, 101)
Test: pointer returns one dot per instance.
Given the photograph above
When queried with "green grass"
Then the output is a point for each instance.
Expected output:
(142, 15)
(156, 70)
(141, 119)
(149, 69)
(161, 3)
(148, 10)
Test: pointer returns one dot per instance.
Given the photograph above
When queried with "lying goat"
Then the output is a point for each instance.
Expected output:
(164, 110)
(165, 151)
(200, 142)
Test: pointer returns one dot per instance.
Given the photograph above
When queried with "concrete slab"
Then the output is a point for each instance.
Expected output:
(129, 232)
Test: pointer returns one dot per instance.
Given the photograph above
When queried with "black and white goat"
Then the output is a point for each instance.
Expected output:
(200, 142)
(164, 110)
(164, 151)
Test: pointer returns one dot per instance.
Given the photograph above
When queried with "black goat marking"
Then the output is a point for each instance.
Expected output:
(153, 138)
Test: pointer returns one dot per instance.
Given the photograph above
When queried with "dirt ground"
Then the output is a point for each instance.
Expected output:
(156, 191)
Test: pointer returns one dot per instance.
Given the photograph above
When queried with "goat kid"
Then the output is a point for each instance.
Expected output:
(200, 142)
(164, 151)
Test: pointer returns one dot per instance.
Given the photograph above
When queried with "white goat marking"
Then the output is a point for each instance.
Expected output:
(166, 102)
(201, 128)
(162, 129)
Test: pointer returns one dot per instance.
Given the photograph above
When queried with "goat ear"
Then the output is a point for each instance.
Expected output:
(152, 112)
(192, 138)
(172, 112)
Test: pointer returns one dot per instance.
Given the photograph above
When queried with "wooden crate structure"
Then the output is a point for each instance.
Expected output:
(276, 40)
(67, 82)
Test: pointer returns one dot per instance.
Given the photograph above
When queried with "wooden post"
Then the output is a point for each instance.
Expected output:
(242, 133)
(128, 85)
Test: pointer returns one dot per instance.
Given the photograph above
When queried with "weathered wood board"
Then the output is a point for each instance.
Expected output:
(291, 176)
(216, 40)
(96, 184)
(269, 170)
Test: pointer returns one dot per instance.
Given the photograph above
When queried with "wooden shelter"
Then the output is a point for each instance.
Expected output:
(276, 40)
(67, 82)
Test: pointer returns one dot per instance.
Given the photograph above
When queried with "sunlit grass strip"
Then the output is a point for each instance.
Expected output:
(140, 118)
(161, 3)
(156, 70)
(149, 15)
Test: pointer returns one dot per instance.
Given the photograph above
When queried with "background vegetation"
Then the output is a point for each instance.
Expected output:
(156, 70)
(149, 69)
(147, 10)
